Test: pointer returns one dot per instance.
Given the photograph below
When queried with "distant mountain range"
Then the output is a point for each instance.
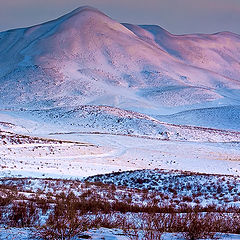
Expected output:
(85, 65)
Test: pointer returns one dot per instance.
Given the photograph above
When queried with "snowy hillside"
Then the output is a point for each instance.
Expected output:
(85, 57)
(226, 117)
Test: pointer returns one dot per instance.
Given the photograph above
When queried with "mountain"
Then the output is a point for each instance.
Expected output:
(219, 53)
(86, 58)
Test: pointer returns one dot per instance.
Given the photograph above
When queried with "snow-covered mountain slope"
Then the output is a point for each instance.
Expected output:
(218, 52)
(105, 120)
(226, 117)
(86, 58)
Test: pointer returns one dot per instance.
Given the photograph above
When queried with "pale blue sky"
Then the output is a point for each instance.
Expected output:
(176, 16)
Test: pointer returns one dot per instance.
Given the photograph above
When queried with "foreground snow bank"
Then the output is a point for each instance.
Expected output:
(96, 234)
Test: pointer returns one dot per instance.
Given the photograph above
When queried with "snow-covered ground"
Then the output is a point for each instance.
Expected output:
(96, 234)
(28, 147)
(89, 154)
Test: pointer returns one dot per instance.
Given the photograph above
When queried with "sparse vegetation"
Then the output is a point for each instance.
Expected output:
(70, 207)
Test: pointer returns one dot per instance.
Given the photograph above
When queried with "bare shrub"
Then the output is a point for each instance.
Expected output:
(198, 226)
(23, 214)
(63, 223)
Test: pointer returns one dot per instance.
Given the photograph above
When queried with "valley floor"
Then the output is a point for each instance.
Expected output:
(79, 155)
